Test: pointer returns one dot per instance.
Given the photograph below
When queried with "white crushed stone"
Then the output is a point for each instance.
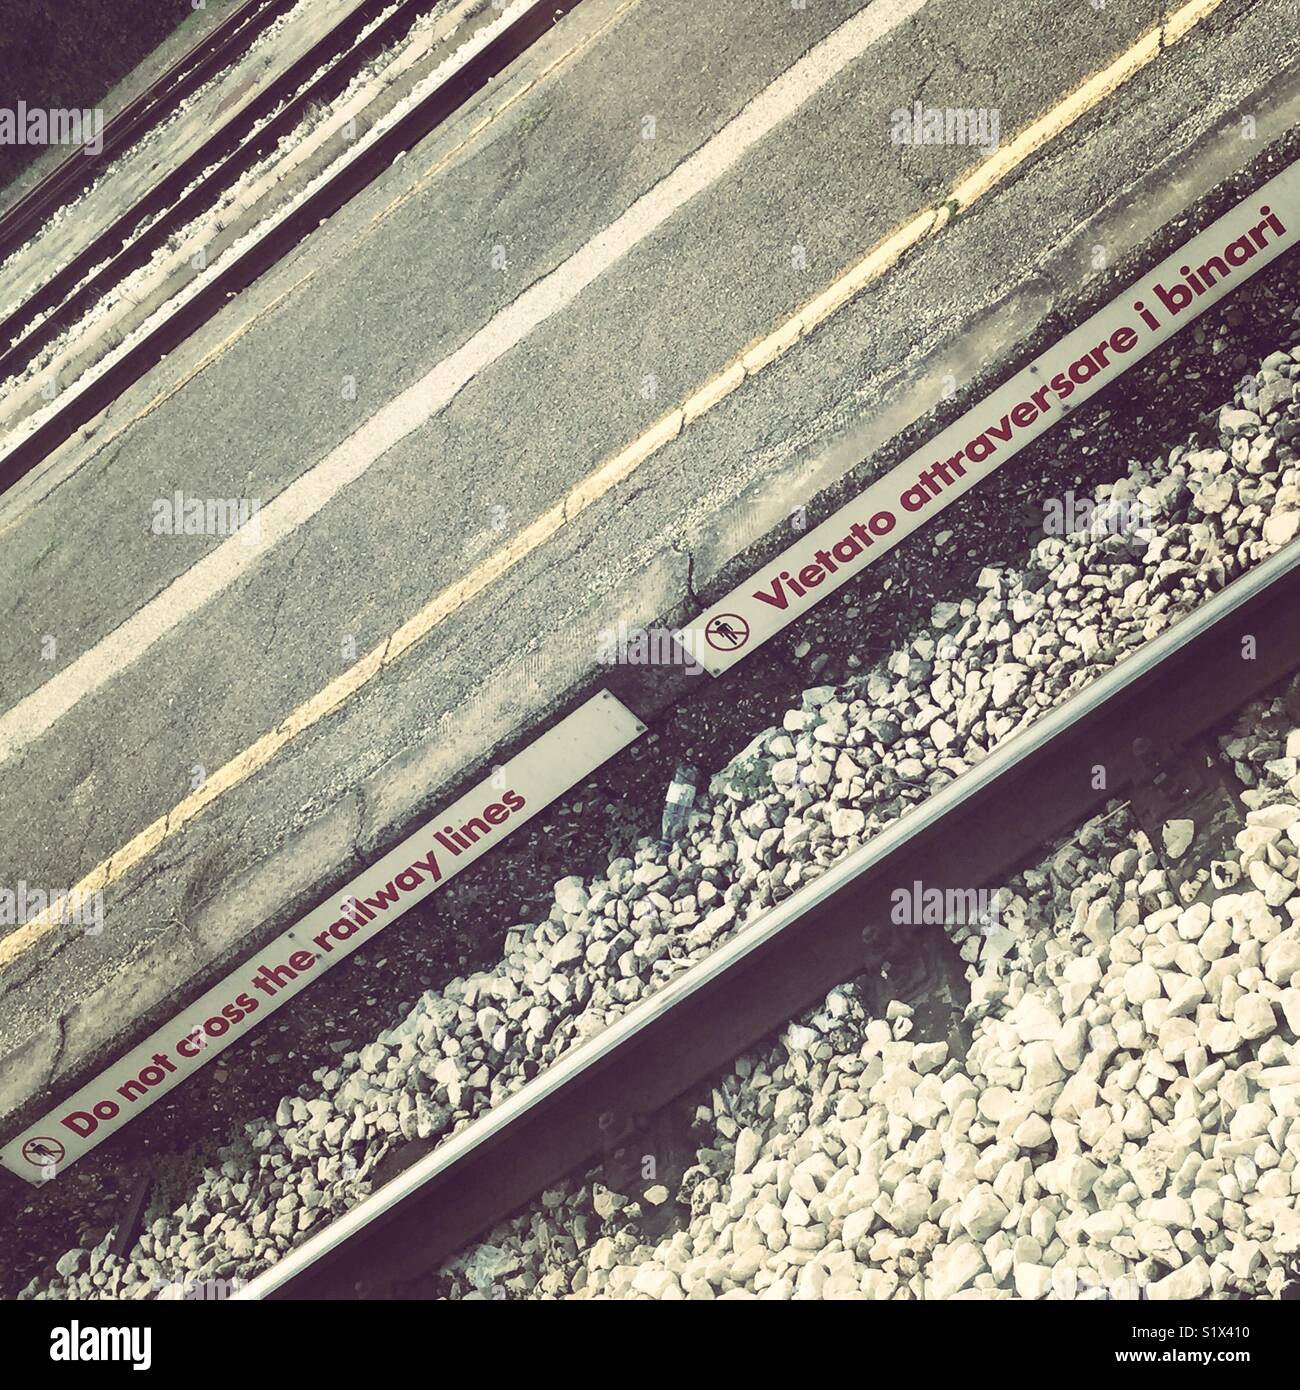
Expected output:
(1098, 1140)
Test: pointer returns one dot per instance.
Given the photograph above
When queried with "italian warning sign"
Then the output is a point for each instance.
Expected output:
(1210, 265)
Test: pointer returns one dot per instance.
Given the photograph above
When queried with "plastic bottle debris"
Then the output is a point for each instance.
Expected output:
(678, 802)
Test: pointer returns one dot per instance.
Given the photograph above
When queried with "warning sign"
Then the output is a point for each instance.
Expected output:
(42, 1150)
(1210, 265)
(457, 836)
(726, 632)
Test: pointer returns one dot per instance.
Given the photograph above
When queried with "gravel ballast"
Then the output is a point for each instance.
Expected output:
(1120, 1126)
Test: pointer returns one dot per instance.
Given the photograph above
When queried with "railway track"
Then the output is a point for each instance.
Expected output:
(319, 75)
(973, 831)
(205, 60)
(316, 79)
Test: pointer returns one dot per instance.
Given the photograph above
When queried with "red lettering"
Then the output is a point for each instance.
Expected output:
(776, 598)
(385, 897)
(1123, 339)
(1002, 430)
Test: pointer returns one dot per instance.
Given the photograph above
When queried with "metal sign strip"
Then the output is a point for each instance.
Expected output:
(452, 840)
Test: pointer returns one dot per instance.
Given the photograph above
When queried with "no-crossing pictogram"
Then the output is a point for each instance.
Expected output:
(41, 1151)
(726, 632)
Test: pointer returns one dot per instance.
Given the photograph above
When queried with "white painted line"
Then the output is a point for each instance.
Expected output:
(1220, 258)
(453, 839)
(310, 492)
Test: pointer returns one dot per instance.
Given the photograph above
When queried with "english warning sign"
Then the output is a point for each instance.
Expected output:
(453, 839)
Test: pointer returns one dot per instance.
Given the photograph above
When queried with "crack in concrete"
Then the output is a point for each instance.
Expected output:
(359, 804)
(283, 594)
(60, 1047)
(690, 571)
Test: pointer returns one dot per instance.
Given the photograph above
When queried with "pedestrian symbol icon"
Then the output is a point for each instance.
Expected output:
(726, 632)
(41, 1151)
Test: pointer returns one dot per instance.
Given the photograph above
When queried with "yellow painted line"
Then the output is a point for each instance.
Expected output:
(613, 471)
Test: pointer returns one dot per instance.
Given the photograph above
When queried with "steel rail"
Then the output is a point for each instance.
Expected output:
(971, 832)
(211, 55)
(234, 149)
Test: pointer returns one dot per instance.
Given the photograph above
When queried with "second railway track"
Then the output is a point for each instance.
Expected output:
(199, 65)
(72, 293)
(319, 75)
